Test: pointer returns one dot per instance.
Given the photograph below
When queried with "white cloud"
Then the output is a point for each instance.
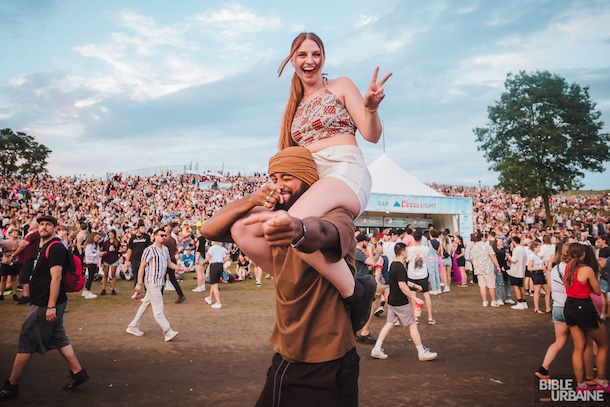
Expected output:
(365, 20)
(570, 41)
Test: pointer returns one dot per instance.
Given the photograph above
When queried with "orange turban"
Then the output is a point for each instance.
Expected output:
(296, 161)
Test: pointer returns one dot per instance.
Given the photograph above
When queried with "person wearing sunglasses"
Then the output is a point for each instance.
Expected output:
(153, 268)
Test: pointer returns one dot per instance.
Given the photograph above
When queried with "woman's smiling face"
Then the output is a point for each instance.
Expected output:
(308, 61)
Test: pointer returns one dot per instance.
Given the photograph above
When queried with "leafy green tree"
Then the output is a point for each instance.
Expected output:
(542, 135)
(21, 155)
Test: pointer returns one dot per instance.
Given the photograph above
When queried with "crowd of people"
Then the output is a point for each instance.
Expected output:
(297, 224)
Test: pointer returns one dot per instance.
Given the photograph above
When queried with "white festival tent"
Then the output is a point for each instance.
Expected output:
(398, 199)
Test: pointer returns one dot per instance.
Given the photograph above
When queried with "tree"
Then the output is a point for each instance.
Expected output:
(542, 135)
(21, 155)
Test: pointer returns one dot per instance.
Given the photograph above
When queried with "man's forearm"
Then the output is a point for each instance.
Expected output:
(218, 227)
(55, 272)
(320, 235)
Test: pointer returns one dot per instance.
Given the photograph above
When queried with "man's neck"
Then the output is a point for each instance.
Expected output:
(159, 245)
(46, 240)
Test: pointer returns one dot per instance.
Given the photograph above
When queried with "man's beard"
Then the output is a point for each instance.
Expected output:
(294, 196)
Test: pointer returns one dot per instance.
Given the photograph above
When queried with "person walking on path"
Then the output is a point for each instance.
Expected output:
(400, 309)
(43, 328)
(153, 267)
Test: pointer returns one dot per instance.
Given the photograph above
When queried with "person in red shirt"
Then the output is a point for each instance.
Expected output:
(583, 320)
(26, 256)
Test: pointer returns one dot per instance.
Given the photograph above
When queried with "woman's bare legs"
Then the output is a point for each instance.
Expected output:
(323, 196)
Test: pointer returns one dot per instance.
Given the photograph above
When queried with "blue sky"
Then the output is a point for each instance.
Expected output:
(117, 85)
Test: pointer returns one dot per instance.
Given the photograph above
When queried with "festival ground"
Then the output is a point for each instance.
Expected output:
(487, 356)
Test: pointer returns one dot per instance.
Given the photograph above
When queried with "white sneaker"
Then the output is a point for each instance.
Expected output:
(171, 334)
(427, 355)
(485, 303)
(134, 331)
(397, 323)
(135, 296)
(216, 305)
(447, 289)
(84, 293)
(510, 301)
(378, 354)
(89, 295)
(208, 300)
(258, 283)
(169, 287)
(525, 305)
(518, 306)
(500, 302)
(495, 304)
(199, 289)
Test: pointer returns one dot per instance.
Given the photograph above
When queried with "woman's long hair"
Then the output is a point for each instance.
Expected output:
(576, 251)
(296, 89)
(591, 261)
(557, 256)
(91, 239)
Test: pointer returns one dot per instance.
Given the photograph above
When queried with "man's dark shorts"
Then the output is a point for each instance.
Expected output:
(26, 271)
(327, 384)
(515, 281)
(215, 272)
(39, 335)
(423, 282)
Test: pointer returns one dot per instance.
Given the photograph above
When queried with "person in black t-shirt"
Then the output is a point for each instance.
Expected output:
(399, 307)
(135, 248)
(43, 328)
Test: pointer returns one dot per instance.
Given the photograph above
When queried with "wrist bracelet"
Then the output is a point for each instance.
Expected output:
(370, 110)
(302, 239)
(51, 307)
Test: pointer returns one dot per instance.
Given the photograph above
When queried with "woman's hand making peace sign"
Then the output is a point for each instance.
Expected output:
(374, 94)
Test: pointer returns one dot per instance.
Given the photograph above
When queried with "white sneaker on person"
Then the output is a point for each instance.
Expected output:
(171, 334)
(510, 301)
(169, 286)
(518, 306)
(258, 283)
(447, 289)
(199, 289)
(216, 305)
(378, 354)
(208, 300)
(89, 295)
(134, 331)
(525, 305)
(499, 302)
(426, 355)
(495, 304)
(397, 323)
(84, 293)
(485, 303)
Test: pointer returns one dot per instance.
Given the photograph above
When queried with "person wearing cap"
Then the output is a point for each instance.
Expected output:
(137, 243)
(313, 336)
(43, 328)
(153, 268)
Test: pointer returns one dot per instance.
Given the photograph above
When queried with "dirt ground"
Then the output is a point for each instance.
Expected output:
(487, 356)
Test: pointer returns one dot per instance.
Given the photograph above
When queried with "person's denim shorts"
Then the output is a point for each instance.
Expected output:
(558, 315)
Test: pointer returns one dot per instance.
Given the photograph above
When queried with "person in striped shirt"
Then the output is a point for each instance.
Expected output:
(154, 265)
